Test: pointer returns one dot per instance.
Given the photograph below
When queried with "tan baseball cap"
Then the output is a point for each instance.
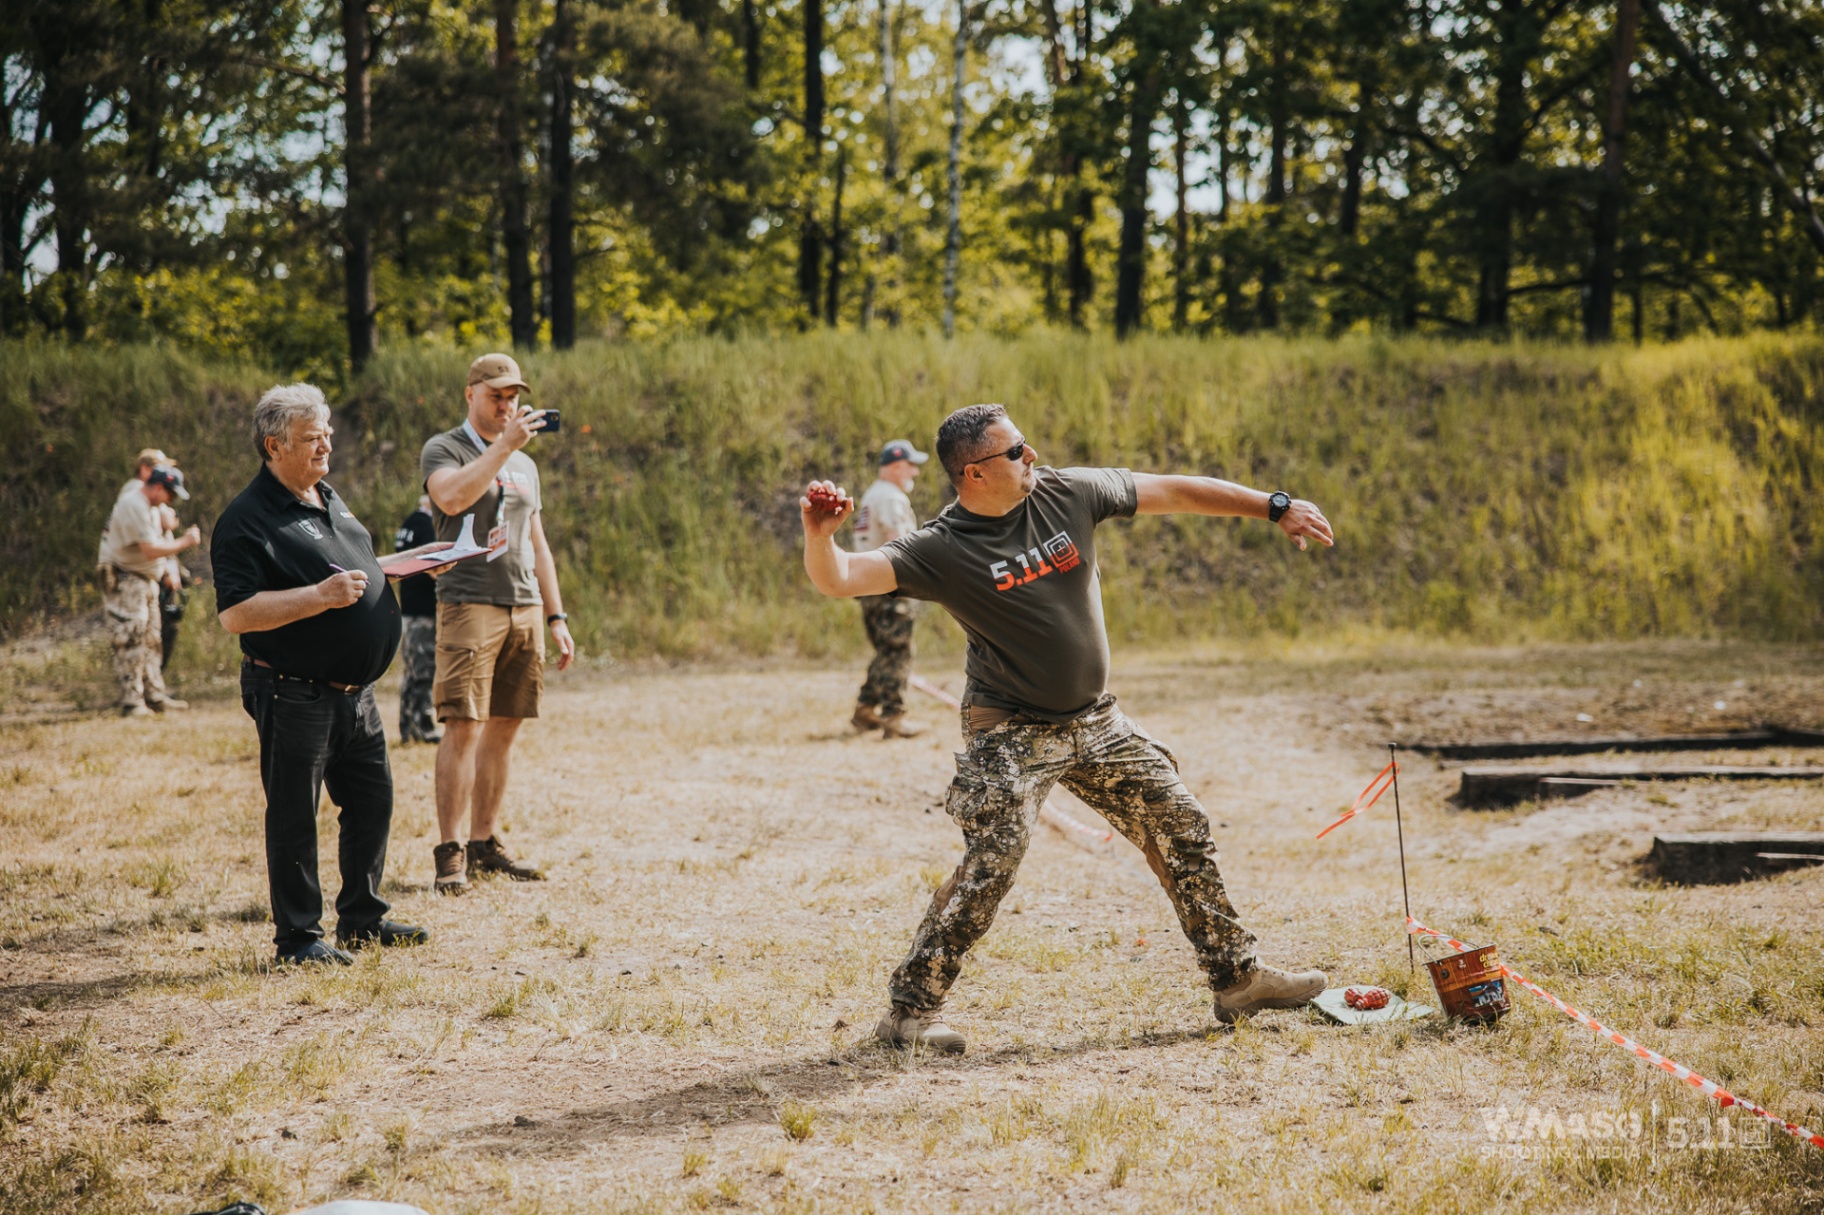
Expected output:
(153, 456)
(497, 371)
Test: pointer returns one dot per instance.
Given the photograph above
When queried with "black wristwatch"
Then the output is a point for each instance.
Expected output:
(1278, 502)
(554, 617)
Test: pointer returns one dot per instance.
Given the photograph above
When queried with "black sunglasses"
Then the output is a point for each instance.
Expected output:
(1012, 453)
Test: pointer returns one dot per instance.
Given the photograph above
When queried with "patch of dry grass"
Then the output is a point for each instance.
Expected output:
(678, 1020)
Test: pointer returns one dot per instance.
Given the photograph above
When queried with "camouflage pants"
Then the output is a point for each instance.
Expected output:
(418, 648)
(889, 621)
(133, 625)
(1128, 778)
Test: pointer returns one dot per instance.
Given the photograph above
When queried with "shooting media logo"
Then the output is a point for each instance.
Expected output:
(1531, 1133)
(1063, 557)
(310, 529)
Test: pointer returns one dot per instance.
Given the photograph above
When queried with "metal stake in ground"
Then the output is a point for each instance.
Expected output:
(1400, 827)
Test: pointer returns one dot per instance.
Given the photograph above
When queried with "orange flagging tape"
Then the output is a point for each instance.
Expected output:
(1708, 1088)
(1384, 781)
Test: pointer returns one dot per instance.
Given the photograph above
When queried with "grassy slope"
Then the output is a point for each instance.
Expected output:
(1489, 491)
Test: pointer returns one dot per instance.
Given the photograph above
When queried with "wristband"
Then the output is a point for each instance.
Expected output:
(554, 617)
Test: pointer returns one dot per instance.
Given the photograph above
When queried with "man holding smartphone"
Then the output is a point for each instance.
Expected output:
(491, 616)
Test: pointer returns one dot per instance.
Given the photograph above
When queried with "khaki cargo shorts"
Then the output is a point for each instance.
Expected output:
(490, 661)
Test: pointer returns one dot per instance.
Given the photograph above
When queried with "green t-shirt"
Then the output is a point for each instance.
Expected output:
(509, 579)
(1025, 590)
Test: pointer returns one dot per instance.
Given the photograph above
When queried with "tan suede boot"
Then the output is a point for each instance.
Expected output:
(1268, 987)
(904, 1027)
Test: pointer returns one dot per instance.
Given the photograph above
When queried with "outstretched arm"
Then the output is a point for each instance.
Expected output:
(1171, 495)
(835, 572)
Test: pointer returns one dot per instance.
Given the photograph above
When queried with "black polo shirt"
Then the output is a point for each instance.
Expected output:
(269, 540)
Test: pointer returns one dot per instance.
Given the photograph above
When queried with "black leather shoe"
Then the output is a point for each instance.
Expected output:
(317, 953)
(386, 932)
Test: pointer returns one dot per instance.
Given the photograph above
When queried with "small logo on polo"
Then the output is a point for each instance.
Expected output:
(310, 529)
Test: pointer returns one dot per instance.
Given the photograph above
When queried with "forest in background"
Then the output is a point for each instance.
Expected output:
(306, 182)
(1497, 493)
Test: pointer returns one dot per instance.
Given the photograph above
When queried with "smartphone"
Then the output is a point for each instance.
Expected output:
(552, 422)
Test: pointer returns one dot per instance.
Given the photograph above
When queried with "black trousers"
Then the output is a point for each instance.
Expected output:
(312, 736)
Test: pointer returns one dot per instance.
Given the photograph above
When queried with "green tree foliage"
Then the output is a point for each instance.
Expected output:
(181, 168)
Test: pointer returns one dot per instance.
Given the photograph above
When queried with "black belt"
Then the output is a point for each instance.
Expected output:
(346, 688)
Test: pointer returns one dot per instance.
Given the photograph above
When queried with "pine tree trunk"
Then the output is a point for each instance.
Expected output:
(66, 104)
(1181, 223)
(563, 179)
(359, 305)
(1271, 269)
(810, 240)
(1495, 214)
(1355, 158)
(750, 40)
(1080, 199)
(516, 237)
(953, 242)
(1599, 304)
(832, 306)
(891, 241)
(1130, 270)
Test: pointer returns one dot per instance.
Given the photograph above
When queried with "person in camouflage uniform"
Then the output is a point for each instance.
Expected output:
(418, 642)
(131, 605)
(1014, 561)
(1123, 773)
(418, 652)
(133, 552)
(889, 623)
(885, 513)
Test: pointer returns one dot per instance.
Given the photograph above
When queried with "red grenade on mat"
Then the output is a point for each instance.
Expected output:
(1366, 999)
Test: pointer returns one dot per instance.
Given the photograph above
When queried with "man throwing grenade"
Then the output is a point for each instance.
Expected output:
(1013, 559)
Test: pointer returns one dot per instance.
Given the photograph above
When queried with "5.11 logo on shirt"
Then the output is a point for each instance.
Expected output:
(1056, 555)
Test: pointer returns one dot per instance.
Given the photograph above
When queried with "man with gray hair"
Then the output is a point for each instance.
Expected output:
(297, 580)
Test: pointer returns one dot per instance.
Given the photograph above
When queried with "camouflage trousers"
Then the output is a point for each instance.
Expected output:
(418, 649)
(1126, 776)
(889, 621)
(131, 603)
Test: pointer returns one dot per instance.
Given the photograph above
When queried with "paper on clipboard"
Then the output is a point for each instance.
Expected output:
(430, 556)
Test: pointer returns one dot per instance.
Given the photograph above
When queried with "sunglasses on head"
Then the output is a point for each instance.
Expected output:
(1012, 453)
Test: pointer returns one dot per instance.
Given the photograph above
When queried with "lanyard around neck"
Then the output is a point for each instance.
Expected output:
(500, 510)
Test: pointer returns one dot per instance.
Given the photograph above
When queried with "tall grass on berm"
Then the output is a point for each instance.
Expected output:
(1486, 491)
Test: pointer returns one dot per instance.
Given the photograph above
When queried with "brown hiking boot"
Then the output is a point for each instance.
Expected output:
(489, 856)
(451, 878)
(1268, 987)
(900, 726)
(865, 718)
(904, 1027)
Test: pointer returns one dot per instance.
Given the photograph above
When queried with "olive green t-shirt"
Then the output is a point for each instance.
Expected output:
(1025, 590)
(508, 580)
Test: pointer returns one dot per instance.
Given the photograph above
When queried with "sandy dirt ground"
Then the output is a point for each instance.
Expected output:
(679, 1017)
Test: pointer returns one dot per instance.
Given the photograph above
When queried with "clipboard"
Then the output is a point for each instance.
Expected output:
(439, 552)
